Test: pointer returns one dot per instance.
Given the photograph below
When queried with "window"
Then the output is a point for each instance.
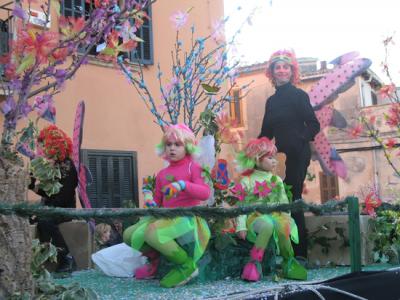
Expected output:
(144, 51)
(368, 95)
(114, 177)
(329, 187)
(4, 36)
(236, 109)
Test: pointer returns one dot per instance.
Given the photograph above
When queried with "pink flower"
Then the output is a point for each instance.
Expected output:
(179, 19)
(238, 191)
(387, 91)
(393, 118)
(355, 131)
(261, 189)
(226, 132)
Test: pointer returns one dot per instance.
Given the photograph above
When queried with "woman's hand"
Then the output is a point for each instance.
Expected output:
(242, 234)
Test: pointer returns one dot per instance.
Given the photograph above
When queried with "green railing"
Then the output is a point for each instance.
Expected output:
(25, 209)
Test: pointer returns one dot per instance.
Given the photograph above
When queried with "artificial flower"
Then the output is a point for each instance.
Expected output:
(238, 191)
(261, 189)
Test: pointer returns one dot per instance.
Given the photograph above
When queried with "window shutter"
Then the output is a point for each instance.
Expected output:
(114, 177)
(144, 51)
(329, 187)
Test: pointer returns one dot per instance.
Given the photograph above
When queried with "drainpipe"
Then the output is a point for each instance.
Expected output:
(375, 170)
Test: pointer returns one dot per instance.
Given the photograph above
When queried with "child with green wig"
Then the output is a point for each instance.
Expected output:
(260, 186)
(180, 184)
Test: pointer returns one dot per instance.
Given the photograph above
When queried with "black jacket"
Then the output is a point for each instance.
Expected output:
(66, 196)
(289, 118)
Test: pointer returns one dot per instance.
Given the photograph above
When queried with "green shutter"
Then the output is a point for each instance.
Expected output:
(114, 177)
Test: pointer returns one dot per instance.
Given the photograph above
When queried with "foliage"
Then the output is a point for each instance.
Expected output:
(48, 173)
(368, 125)
(41, 61)
(45, 287)
(319, 237)
(197, 78)
(385, 235)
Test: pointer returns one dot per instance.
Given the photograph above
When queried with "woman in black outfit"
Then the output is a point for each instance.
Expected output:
(54, 145)
(290, 119)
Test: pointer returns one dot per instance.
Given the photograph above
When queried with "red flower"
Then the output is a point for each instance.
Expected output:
(371, 203)
(391, 143)
(55, 143)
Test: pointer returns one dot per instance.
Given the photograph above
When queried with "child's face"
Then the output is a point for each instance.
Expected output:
(174, 150)
(267, 163)
(106, 236)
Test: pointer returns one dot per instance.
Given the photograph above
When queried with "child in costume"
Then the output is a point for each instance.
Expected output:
(259, 186)
(178, 185)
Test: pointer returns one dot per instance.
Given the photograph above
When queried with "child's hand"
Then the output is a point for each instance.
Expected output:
(148, 198)
(242, 234)
(173, 189)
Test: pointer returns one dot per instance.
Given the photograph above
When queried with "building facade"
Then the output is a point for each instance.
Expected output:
(119, 131)
(366, 164)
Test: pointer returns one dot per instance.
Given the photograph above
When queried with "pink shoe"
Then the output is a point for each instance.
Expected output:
(250, 272)
(149, 270)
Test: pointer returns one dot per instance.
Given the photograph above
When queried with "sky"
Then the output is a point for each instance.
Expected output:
(323, 29)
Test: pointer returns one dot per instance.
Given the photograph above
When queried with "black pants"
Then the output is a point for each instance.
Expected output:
(49, 232)
(297, 163)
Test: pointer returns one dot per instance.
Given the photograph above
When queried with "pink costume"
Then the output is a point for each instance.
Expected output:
(196, 190)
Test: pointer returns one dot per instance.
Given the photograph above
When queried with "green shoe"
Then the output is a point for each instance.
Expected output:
(180, 274)
(292, 269)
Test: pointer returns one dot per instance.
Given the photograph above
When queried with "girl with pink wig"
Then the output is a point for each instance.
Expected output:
(260, 186)
(178, 185)
(291, 121)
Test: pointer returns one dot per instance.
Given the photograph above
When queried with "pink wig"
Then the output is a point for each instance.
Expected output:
(253, 152)
(180, 133)
(257, 148)
(286, 56)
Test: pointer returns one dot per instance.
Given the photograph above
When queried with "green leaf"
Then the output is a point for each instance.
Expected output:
(210, 89)
(27, 62)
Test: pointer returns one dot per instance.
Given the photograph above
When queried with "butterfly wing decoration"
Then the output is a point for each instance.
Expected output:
(84, 176)
(324, 92)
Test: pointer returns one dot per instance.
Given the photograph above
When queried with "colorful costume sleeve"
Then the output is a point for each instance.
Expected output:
(158, 194)
(197, 188)
(241, 223)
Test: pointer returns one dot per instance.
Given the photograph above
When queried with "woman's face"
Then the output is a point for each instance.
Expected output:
(282, 72)
(174, 150)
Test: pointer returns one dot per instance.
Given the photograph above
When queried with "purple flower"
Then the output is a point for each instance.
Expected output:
(25, 109)
(19, 12)
(8, 106)
(60, 75)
